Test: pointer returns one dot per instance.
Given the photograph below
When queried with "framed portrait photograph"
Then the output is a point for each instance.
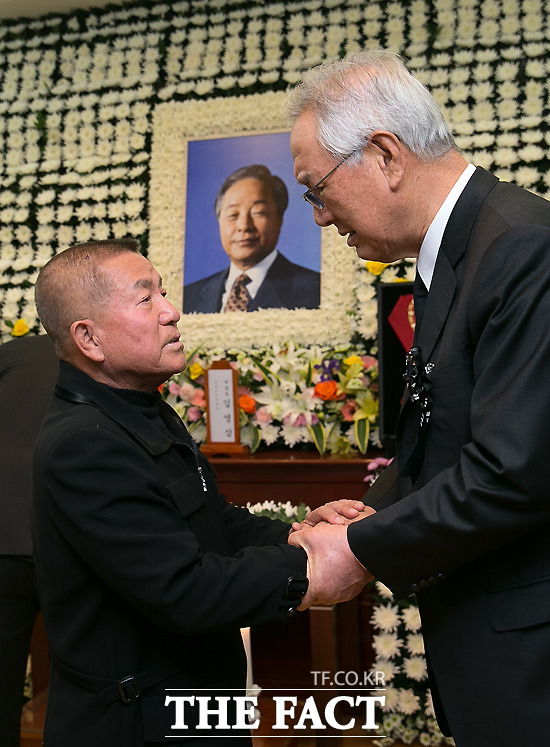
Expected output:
(223, 195)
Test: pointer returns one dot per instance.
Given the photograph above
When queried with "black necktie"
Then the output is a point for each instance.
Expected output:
(420, 294)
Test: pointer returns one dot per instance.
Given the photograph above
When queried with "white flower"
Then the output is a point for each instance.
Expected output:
(383, 590)
(23, 234)
(429, 704)
(45, 215)
(408, 701)
(526, 176)
(294, 435)
(411, 618)
(65, 235)
(387, 645)
(389, 668)
(415, 668)
(392, 700)
(385, 617)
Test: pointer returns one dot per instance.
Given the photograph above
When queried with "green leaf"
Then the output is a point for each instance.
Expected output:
(361, 429)
(193, 353)
(319, 436)
(266, 371)
(309, 375)
(256, 439)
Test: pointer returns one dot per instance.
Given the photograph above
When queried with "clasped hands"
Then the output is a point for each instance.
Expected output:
(334, 573)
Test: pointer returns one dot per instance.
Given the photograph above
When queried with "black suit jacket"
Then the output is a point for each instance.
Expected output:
(141, 565)
(464, 511)
(285, 286)
(28, 371)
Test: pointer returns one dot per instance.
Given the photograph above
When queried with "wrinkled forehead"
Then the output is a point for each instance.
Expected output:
(130, 271)
(247, 190)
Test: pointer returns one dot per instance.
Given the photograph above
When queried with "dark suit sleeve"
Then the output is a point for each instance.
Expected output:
(162, 549)
(243, 528)
(496, 495)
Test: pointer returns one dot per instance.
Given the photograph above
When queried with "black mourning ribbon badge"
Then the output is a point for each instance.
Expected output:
(418, 383)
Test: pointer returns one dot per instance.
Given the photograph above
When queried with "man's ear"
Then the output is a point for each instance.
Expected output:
(82, 334)
(391, 156)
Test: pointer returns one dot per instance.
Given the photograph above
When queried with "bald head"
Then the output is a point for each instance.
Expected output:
(72, 284)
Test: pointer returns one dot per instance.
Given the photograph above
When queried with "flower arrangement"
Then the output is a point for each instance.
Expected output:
(282, 511)
(319, 397)
(407, 715)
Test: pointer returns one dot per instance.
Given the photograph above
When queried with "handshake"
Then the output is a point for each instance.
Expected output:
(334, 573)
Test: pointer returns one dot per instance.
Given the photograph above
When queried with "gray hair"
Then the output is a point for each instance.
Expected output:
(263, 174)
(73, 281)
(365, 92)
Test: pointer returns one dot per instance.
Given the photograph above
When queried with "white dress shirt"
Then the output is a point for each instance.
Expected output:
(434, 235)
(256, 274)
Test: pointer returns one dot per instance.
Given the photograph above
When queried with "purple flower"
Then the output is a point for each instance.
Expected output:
(328, 368)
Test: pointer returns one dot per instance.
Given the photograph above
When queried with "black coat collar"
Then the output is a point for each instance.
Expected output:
(454, 244)
(77, 387)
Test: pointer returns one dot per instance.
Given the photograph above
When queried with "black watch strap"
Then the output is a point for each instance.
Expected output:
(295, 589)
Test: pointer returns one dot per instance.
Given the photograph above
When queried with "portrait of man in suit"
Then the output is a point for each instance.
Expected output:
(249, 208)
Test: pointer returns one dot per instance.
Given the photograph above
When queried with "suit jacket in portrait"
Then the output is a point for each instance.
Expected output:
(463, 514)
(144, 570)
(285, 286)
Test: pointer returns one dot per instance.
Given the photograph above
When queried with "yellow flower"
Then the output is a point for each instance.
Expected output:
(20, 328)
(375, 268)
(352, 359)
(195, 370)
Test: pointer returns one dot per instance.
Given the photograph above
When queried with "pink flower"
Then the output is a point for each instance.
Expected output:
(298, 419)
(263, 416)
(293, 419)
(198, 398)
(369, 361)
(193, 414)
(378, 463)
(187, 391)
(348, 408)
(174, 388)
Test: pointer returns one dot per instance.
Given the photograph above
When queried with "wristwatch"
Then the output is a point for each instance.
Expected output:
(296, 587)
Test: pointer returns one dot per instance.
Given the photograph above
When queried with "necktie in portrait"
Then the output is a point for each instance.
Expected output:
(239, 297)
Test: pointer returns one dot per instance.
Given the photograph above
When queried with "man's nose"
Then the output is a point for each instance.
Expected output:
(168, 313)
(323, 217)
(245, 222)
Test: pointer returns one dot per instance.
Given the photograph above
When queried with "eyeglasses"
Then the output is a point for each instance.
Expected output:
(310, 195)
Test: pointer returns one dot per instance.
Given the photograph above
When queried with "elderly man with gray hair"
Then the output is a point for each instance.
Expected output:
(463, 513)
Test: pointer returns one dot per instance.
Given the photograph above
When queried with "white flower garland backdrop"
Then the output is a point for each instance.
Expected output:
(77, 98)
(78, 94)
